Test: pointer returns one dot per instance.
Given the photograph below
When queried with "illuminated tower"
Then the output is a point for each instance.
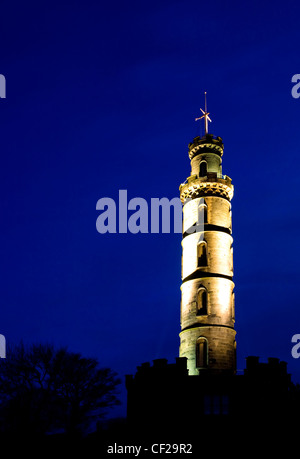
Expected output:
(207, 335)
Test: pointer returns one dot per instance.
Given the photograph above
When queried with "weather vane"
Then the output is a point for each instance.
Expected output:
(205, 116)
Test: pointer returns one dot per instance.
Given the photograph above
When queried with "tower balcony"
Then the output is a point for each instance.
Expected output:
(212, 184)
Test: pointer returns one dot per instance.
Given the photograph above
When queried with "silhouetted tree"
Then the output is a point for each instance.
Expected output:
(43, 390)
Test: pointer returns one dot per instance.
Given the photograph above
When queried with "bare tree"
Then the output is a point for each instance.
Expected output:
(43, 390)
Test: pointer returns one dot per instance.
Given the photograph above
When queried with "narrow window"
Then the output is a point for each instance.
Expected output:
(225, 404)
(201, 353)
(216, 404)
(202, 255)
(202, 302)
(203, 169)
(207, 404)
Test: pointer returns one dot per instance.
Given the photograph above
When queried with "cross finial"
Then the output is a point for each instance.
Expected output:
(205, 116)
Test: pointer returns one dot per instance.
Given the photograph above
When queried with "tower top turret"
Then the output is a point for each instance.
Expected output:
(206, 144)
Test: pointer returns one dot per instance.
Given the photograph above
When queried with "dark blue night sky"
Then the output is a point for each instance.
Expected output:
(102, 96)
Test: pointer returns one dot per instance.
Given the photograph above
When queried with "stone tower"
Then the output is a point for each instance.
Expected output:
(207, 335)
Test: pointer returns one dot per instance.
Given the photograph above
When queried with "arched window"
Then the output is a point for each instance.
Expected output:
(202, 254)
(201, 353)
(233, 306)
(203, 169)
(202, 302)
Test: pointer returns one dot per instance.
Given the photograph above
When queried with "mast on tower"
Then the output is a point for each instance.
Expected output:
(205, 116)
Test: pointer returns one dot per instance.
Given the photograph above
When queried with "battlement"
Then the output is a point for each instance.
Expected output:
(160, 369)
(206, 144)
(273, 369)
